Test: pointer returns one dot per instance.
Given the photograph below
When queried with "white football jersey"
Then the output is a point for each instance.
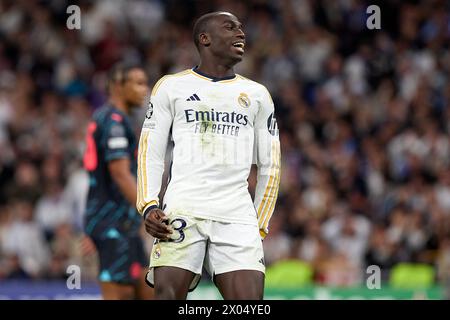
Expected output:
(219, 127)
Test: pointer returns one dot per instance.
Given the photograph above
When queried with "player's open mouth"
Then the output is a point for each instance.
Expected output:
(239, 45)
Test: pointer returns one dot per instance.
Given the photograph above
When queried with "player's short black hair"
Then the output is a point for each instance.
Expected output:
(119, 71)
(201, 25)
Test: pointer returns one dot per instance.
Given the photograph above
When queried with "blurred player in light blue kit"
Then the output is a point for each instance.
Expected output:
(111, 220)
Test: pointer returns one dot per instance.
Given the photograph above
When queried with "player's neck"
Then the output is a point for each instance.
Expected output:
(119, 104)
(215, 70)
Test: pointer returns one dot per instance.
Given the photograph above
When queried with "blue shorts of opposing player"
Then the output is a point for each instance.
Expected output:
(121, 258)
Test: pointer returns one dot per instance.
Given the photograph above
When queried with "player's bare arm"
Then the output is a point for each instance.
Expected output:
(120, 173)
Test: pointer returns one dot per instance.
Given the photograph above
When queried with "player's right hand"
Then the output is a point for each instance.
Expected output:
(156, 224)
(87, 246)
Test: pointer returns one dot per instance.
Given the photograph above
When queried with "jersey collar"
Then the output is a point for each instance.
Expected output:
(112, 106)
(213, 79)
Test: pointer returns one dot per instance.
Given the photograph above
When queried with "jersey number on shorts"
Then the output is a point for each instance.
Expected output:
(179, 228)
(90, 156)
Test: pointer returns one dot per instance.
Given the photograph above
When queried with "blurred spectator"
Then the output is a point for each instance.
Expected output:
(348, 235)
(309, 247)
(25, 183)
(337, 271)
(380, 252)
(52, 210)
(443, 266)
(75, 197)
(278, 246)
(27, 254)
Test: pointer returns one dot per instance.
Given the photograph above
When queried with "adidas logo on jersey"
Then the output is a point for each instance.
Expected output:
(262, 261)
(194, 97)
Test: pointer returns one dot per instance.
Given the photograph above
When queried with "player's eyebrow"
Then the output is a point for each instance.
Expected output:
(234, 23)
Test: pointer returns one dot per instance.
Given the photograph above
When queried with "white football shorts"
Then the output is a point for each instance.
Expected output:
(220, 247)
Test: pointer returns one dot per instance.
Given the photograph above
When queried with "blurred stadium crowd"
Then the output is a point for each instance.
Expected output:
(364, 119)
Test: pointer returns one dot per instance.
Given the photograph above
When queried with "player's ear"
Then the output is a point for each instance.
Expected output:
(204, 39)
(115, 87)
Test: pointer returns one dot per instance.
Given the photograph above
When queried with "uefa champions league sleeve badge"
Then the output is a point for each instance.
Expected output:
(149, 113)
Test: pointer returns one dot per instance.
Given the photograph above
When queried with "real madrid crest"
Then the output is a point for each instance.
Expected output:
(244, 100)
(157, 252)
(149, 113)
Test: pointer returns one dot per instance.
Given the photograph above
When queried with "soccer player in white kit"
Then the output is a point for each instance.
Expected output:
(220, 123)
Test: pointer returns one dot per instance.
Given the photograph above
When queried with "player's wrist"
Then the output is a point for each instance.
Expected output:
(147, 211)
